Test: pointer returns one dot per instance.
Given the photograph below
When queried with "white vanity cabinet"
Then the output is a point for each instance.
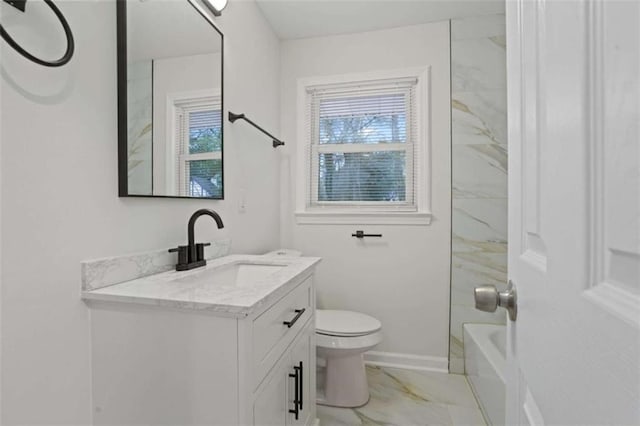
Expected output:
(287, 395)
(283, 357)
(170, 365)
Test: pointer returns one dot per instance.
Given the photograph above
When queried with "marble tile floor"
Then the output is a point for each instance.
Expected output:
(406, 397)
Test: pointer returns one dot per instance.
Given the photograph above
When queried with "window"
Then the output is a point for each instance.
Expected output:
(363, 151)
(198, 159)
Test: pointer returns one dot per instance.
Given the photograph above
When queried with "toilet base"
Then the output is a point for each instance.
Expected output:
(345, 382)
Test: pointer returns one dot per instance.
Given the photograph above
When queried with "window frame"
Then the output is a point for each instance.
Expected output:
(365, 212)
(175, 103)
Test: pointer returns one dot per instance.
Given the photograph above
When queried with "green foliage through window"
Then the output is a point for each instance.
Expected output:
(205, 136)
(367, 173)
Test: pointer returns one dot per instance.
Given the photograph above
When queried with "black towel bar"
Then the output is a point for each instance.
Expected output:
(233, 117)
(361, 234)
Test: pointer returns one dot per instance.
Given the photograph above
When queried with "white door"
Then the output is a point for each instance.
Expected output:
(574, 211)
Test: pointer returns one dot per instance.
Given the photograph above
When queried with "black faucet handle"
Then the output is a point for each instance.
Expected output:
(200, 251)
(183, 254)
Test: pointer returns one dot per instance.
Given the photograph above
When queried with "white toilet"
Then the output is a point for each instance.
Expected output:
(341, 339)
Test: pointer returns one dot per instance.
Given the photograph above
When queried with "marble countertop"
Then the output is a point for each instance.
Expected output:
(191, 290)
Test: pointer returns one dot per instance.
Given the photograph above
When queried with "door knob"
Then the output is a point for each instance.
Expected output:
(488, 298)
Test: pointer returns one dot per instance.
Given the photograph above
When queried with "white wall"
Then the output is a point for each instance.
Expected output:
(59, 192)
(172, 76)
(403, 278)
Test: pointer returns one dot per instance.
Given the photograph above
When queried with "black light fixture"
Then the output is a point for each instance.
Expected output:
(215, 6)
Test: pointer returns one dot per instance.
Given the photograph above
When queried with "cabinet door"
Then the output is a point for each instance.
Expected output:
(303, 357)
(270, 406)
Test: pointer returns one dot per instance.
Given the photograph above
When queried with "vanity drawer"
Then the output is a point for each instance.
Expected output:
(271, 335)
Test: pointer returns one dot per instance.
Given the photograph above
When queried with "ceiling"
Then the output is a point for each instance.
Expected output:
(293, 19)
(165, 29)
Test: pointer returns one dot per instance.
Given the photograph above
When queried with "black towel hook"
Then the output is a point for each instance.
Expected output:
(20, 5)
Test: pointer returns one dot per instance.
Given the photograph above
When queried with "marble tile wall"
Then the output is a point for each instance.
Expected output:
(99, 273)
(479, 170)
(139, 118)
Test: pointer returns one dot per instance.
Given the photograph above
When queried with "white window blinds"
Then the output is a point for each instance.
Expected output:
(198, 148)
(362, 145)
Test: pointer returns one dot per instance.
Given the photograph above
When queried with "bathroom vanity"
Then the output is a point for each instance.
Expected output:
(231, 343)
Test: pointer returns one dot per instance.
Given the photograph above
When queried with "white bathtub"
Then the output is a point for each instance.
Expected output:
(485, 366)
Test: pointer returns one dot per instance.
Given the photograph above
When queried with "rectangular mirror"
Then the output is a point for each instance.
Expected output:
(170, 137)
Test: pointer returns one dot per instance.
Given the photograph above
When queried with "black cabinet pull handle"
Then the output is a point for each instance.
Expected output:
(361, 234)
(299, 313)
(301, 385)
(296, 400)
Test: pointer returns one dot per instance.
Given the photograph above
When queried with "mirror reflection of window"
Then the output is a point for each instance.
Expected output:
(198, 144)
(173, 62)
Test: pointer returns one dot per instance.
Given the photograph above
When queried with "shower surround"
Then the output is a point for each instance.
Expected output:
(479, 170)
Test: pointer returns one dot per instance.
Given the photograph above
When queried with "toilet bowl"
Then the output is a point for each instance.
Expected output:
(341, 339)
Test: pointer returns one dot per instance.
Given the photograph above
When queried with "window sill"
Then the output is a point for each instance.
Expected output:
(362, 218)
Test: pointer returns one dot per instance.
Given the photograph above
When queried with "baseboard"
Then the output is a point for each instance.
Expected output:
(406, 361)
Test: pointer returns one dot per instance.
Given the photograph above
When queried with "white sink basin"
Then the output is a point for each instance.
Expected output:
(241, 274)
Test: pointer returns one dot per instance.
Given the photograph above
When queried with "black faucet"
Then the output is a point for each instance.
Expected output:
(192, 256)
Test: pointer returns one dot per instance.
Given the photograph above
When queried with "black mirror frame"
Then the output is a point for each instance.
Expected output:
(123, 151)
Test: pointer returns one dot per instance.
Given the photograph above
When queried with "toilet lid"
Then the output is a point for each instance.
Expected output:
(345, 323)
